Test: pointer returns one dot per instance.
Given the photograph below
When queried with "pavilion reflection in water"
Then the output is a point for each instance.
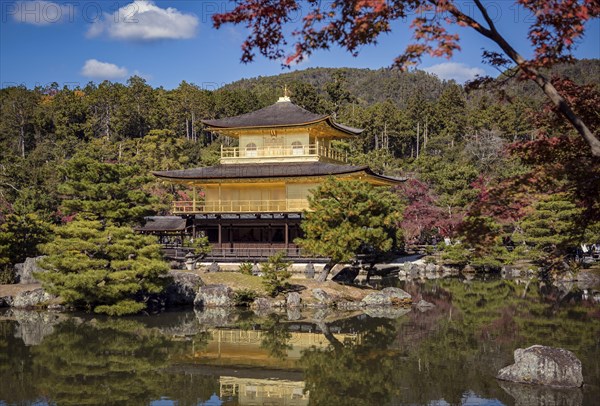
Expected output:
(237, 353)
(250, 391)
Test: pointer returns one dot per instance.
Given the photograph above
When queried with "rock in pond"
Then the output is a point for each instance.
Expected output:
(424, 305)
(387, 297)
(377, 299)
(267, 303)
(293, 299)
(26, 269)
(32, 298)
(323, 297)
(543, 365)
(182, 289)
(214, 296)
(397, 295)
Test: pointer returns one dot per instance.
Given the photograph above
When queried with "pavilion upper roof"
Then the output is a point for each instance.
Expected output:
(284, 113)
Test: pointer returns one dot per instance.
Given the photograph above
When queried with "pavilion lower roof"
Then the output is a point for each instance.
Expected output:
(269, 170)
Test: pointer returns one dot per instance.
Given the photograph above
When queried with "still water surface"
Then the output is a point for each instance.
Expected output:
(447, 355)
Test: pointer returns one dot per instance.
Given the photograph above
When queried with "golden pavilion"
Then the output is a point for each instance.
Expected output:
(251, 204)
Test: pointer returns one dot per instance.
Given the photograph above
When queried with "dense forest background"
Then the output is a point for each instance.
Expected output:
(493, 168)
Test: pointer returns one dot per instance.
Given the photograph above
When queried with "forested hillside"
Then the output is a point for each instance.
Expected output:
(371, 86)
(481, 167)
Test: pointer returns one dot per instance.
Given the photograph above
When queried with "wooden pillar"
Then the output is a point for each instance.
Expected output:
(219, 208)
(194, 199)
(287, 235)
(220, 238)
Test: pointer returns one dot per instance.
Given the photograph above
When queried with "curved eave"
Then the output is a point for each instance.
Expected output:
(351, 172)
(326, 119)
(387, 180)
(182, 177)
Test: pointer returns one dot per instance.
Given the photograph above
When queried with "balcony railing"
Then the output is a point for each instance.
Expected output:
(240, 206)
(299, 151)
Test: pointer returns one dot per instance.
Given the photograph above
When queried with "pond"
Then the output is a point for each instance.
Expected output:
(447, 355)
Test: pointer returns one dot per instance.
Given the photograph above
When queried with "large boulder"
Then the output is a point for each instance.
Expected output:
(397, 295)
(543, 365)
(267, 303)
(349, 305)
(309, 271)
(323, 297)
(588, 280)
(293, 299)
(377, 299)
(6, 301)
(214, 296)
(24, 271)
(32, 298)
(182, 288)
(424, 305)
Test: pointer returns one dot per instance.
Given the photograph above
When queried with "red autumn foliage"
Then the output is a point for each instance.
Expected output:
(557, 164)
(350, 24)
(422, 218)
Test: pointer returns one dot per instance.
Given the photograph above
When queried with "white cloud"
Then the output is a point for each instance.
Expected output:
(457, 71)
(142, 20)
(103, 70)
(39, 12)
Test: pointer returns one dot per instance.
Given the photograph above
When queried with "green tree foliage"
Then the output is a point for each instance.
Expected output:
(275, 274)
(246, 268)
(109, 191)
(104, 268)
(138, 111)
(20, 236)
(306, 96)
(415, 126)
(550, 228)
(348, 218)
(17, 110)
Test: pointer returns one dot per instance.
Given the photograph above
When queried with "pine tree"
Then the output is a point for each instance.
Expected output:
(109, 191)
(550, 229)
(104, 268)
(348, 218)
(275, 274)
(20, 236)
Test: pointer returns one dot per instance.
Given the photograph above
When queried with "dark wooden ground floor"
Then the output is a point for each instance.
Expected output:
(237, 237)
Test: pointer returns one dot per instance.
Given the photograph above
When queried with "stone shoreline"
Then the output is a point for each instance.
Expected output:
(200, 290)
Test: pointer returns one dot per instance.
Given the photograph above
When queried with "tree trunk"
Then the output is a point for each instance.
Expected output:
(193, 128)
(418, 135)
(325, 272)
(329, 335)
(22, 141)
(559, 102)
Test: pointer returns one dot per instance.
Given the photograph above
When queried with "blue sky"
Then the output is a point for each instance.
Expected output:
(74, 42)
